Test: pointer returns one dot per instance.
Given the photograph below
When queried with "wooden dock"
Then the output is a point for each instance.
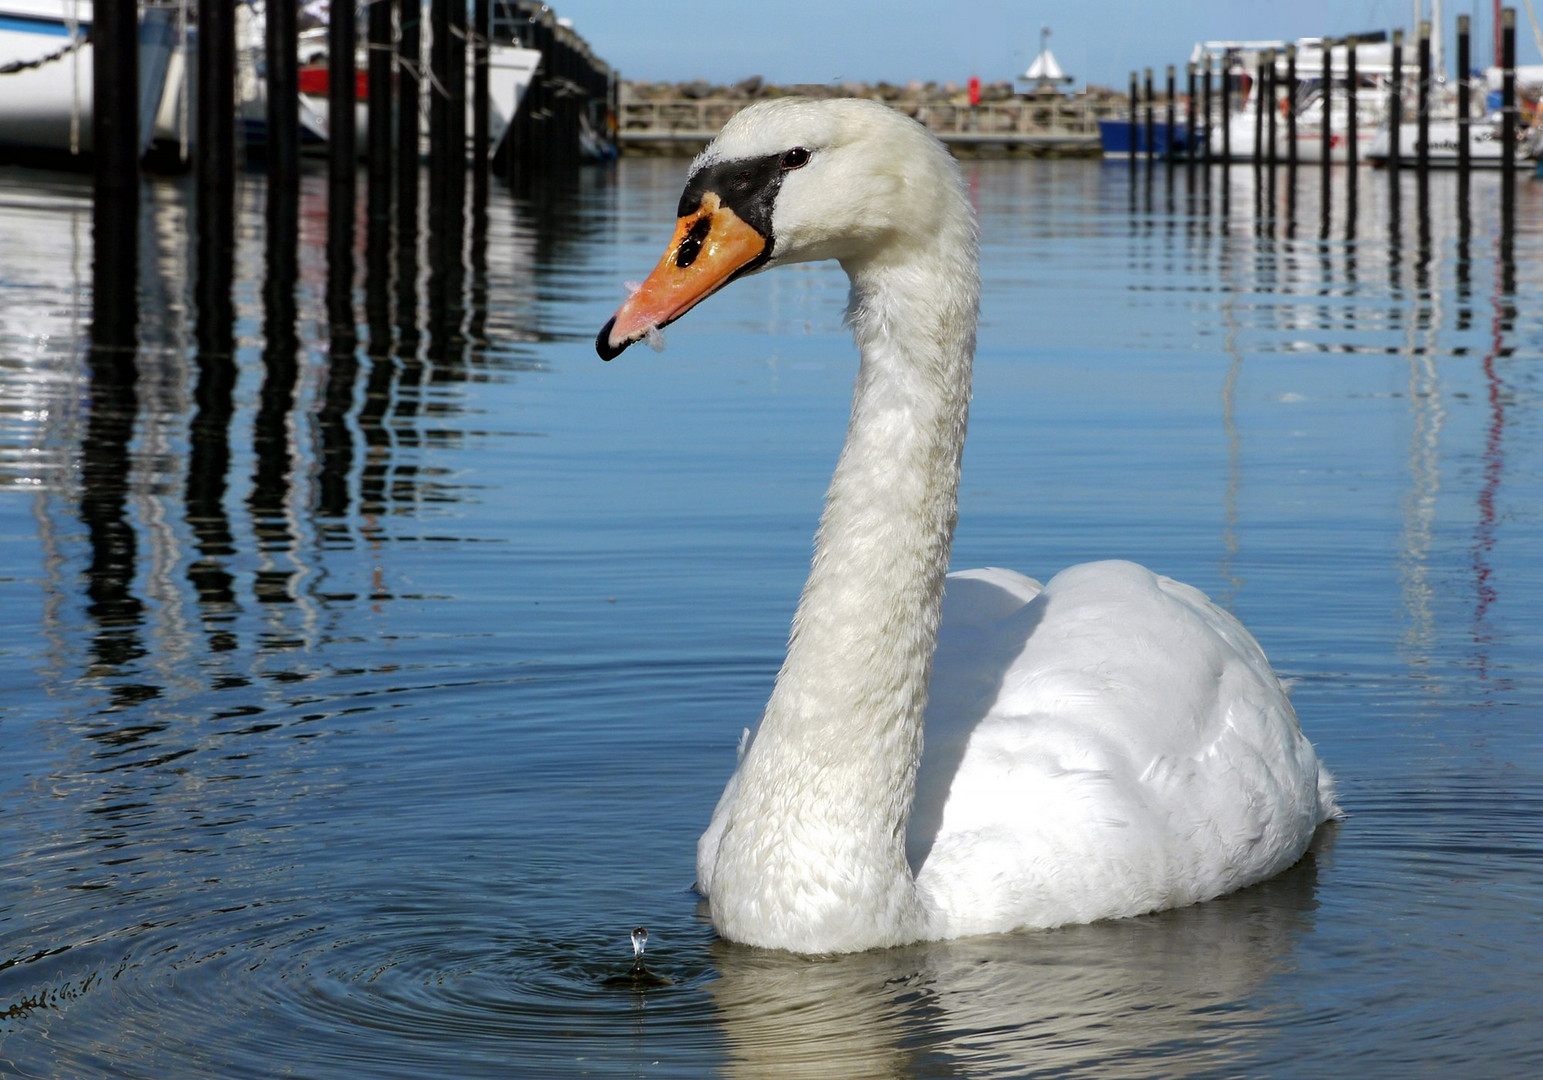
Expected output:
(1024, 127)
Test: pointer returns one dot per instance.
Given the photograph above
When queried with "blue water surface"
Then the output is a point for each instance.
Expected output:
(356, 709)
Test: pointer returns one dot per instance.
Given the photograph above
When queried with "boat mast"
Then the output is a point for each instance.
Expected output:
(1438, 64)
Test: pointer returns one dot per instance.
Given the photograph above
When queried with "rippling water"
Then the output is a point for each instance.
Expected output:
(359, 700)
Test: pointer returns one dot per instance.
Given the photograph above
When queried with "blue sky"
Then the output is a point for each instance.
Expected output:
(830, 40)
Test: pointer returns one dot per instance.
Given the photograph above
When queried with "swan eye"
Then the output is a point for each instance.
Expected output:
(795, 158)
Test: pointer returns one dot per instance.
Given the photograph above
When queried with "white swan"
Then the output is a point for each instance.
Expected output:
(1110, 744)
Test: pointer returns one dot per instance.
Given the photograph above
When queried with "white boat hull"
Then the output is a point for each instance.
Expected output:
(1484, 145)
(510, 70)
(46, 104)
(1309, 139)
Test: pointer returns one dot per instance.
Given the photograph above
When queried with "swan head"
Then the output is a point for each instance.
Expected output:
(794, 180)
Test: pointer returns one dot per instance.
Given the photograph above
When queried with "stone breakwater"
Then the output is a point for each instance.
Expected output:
(755, 88)
(679, 118)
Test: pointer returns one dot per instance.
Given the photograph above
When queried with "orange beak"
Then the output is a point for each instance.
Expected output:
(711, 246)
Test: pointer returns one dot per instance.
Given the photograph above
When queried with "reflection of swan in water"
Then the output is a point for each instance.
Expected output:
(1097, 1000)
(1110, 744)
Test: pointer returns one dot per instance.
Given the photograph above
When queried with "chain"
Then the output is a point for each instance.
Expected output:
(27, 65)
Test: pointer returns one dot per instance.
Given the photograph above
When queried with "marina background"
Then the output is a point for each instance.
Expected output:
(374, 654)
(1098, 42)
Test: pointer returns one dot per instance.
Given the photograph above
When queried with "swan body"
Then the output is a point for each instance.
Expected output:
(949, 755)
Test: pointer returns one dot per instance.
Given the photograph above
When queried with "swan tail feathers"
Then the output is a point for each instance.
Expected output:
(1328, 801)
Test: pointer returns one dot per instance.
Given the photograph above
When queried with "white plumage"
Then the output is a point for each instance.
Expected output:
(1111, 744)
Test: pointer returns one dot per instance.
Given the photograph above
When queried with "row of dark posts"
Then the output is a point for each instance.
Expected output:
(569, 82)
(1203, 88)
(571, 92)
(577, 88)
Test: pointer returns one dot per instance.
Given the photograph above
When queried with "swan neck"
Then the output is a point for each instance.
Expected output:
(867, 622)
(844, 723)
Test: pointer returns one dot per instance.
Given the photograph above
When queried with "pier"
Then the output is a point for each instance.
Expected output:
(419, 76)
(1038, 125)
(211, 79)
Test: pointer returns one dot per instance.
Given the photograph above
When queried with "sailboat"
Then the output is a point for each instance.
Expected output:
(1045, 72)
(1445, 131)
(1321, 83)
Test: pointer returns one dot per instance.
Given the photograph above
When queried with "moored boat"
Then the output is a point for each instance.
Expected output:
(1444, 136)
(1321, 82)
(1128, 138)
(46, 56)
(511, 67)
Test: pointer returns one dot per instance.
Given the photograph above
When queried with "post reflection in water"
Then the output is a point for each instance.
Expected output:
(113, 414)
(1411, 279)
(301, 478)
(209, 452)
(1415, 251)
(112, 604)
(1503, 325)
(271, 491)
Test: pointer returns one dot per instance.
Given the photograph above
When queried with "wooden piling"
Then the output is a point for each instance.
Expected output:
(1259, 115)
(1150, 126)
(1292, 98)
(439, 101)
(481, 131)
(567, 131)
(1226, 112)
(1291, 112)
(342, 93)
(1135, 117)
(1507, 117)
(281, 147)
(1395, 106)
(1172, 120)
(409, 102)
(380, 127)
(282, 212)
(214, 324)
(1464, 106)
(115, 84)
(1325, 128)
(1352, 120)
(214, 225)
(115, 204)
(1422, 120)
(342, 167)
(216, 138)
(527, 146)
(455, 88)
(1189, 114)
(1271, 154)
(447, 174)
(1208, 145)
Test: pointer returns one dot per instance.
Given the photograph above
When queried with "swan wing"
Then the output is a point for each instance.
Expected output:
(1111, 744)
